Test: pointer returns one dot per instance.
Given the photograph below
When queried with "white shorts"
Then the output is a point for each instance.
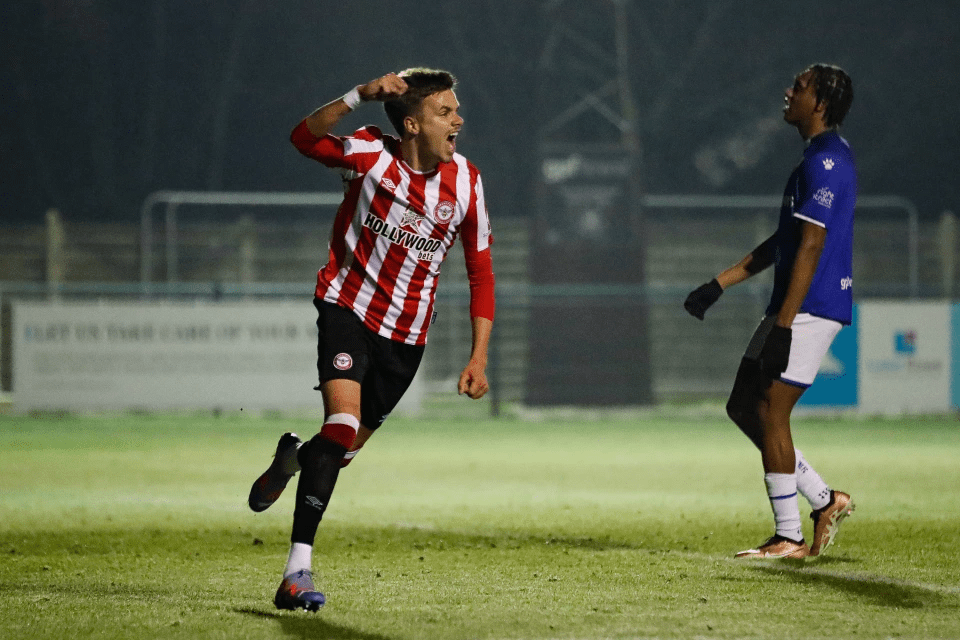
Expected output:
(812, 337)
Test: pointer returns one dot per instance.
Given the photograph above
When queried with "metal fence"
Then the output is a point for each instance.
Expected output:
(256, 246)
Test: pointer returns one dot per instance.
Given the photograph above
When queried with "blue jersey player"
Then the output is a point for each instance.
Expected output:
(812, 250)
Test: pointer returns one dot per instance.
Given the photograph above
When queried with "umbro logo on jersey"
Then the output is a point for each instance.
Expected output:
(828, 163)
(388, 185)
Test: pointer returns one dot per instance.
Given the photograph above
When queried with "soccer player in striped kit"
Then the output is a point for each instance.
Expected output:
(811, 300)
(406, 200)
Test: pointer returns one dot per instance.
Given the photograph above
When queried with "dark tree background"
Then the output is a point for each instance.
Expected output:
(105, 101)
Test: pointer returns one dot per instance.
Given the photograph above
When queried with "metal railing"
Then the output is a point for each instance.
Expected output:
(173, 199)
(773, 203)
(688, 238)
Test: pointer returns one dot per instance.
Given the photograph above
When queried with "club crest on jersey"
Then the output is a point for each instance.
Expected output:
(443, 212)
(412, 218)
(828, 163)
(343, 361)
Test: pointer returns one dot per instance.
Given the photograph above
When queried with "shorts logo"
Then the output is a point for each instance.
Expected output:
(443, 212)
(824, 197)
(343, 361)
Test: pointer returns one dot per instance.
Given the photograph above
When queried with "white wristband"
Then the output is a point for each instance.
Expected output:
(352, 98)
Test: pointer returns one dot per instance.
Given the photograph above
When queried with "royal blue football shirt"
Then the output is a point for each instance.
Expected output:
(822, 190)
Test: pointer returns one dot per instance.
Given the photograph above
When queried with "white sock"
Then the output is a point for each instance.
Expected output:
(300, 558)
(782, 489)
(810, 485)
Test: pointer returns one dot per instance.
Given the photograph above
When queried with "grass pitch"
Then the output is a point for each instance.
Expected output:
(612, 527)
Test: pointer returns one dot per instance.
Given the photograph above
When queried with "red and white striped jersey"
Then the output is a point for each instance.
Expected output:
(393, 230)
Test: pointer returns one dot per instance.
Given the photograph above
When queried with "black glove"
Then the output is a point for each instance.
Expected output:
(702, 297)
(775, 353)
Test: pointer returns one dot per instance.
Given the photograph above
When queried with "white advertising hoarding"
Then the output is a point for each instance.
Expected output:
(905, 357)
(229, 356)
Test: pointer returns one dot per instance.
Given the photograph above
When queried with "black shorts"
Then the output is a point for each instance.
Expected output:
(347, 350)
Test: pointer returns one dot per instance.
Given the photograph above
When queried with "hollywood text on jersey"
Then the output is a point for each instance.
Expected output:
(425, 246)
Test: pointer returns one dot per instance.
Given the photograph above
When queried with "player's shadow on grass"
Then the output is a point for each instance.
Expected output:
(299, 624)
(881, 591)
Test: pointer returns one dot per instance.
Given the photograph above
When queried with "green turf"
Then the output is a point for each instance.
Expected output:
(615, 527)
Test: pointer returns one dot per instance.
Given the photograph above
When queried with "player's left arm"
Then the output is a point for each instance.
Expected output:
(473, 379)
(818, 195)
(812, 239)
(476, 237)
(775, 353)
(822, 185)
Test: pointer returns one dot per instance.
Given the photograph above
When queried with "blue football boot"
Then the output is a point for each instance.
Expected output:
(297, 592)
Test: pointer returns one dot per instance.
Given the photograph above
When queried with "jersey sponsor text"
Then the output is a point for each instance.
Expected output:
(405, 239)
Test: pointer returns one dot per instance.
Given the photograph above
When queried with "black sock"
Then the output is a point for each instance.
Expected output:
(320, 465)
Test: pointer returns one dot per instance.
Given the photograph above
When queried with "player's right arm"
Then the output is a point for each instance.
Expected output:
(703, 297)
(751, 264)
(322, 121)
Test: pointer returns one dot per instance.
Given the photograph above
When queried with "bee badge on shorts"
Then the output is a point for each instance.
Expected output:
(343, 361)
(443, 212)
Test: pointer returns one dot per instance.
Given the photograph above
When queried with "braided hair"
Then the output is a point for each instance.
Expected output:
(835, 88)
